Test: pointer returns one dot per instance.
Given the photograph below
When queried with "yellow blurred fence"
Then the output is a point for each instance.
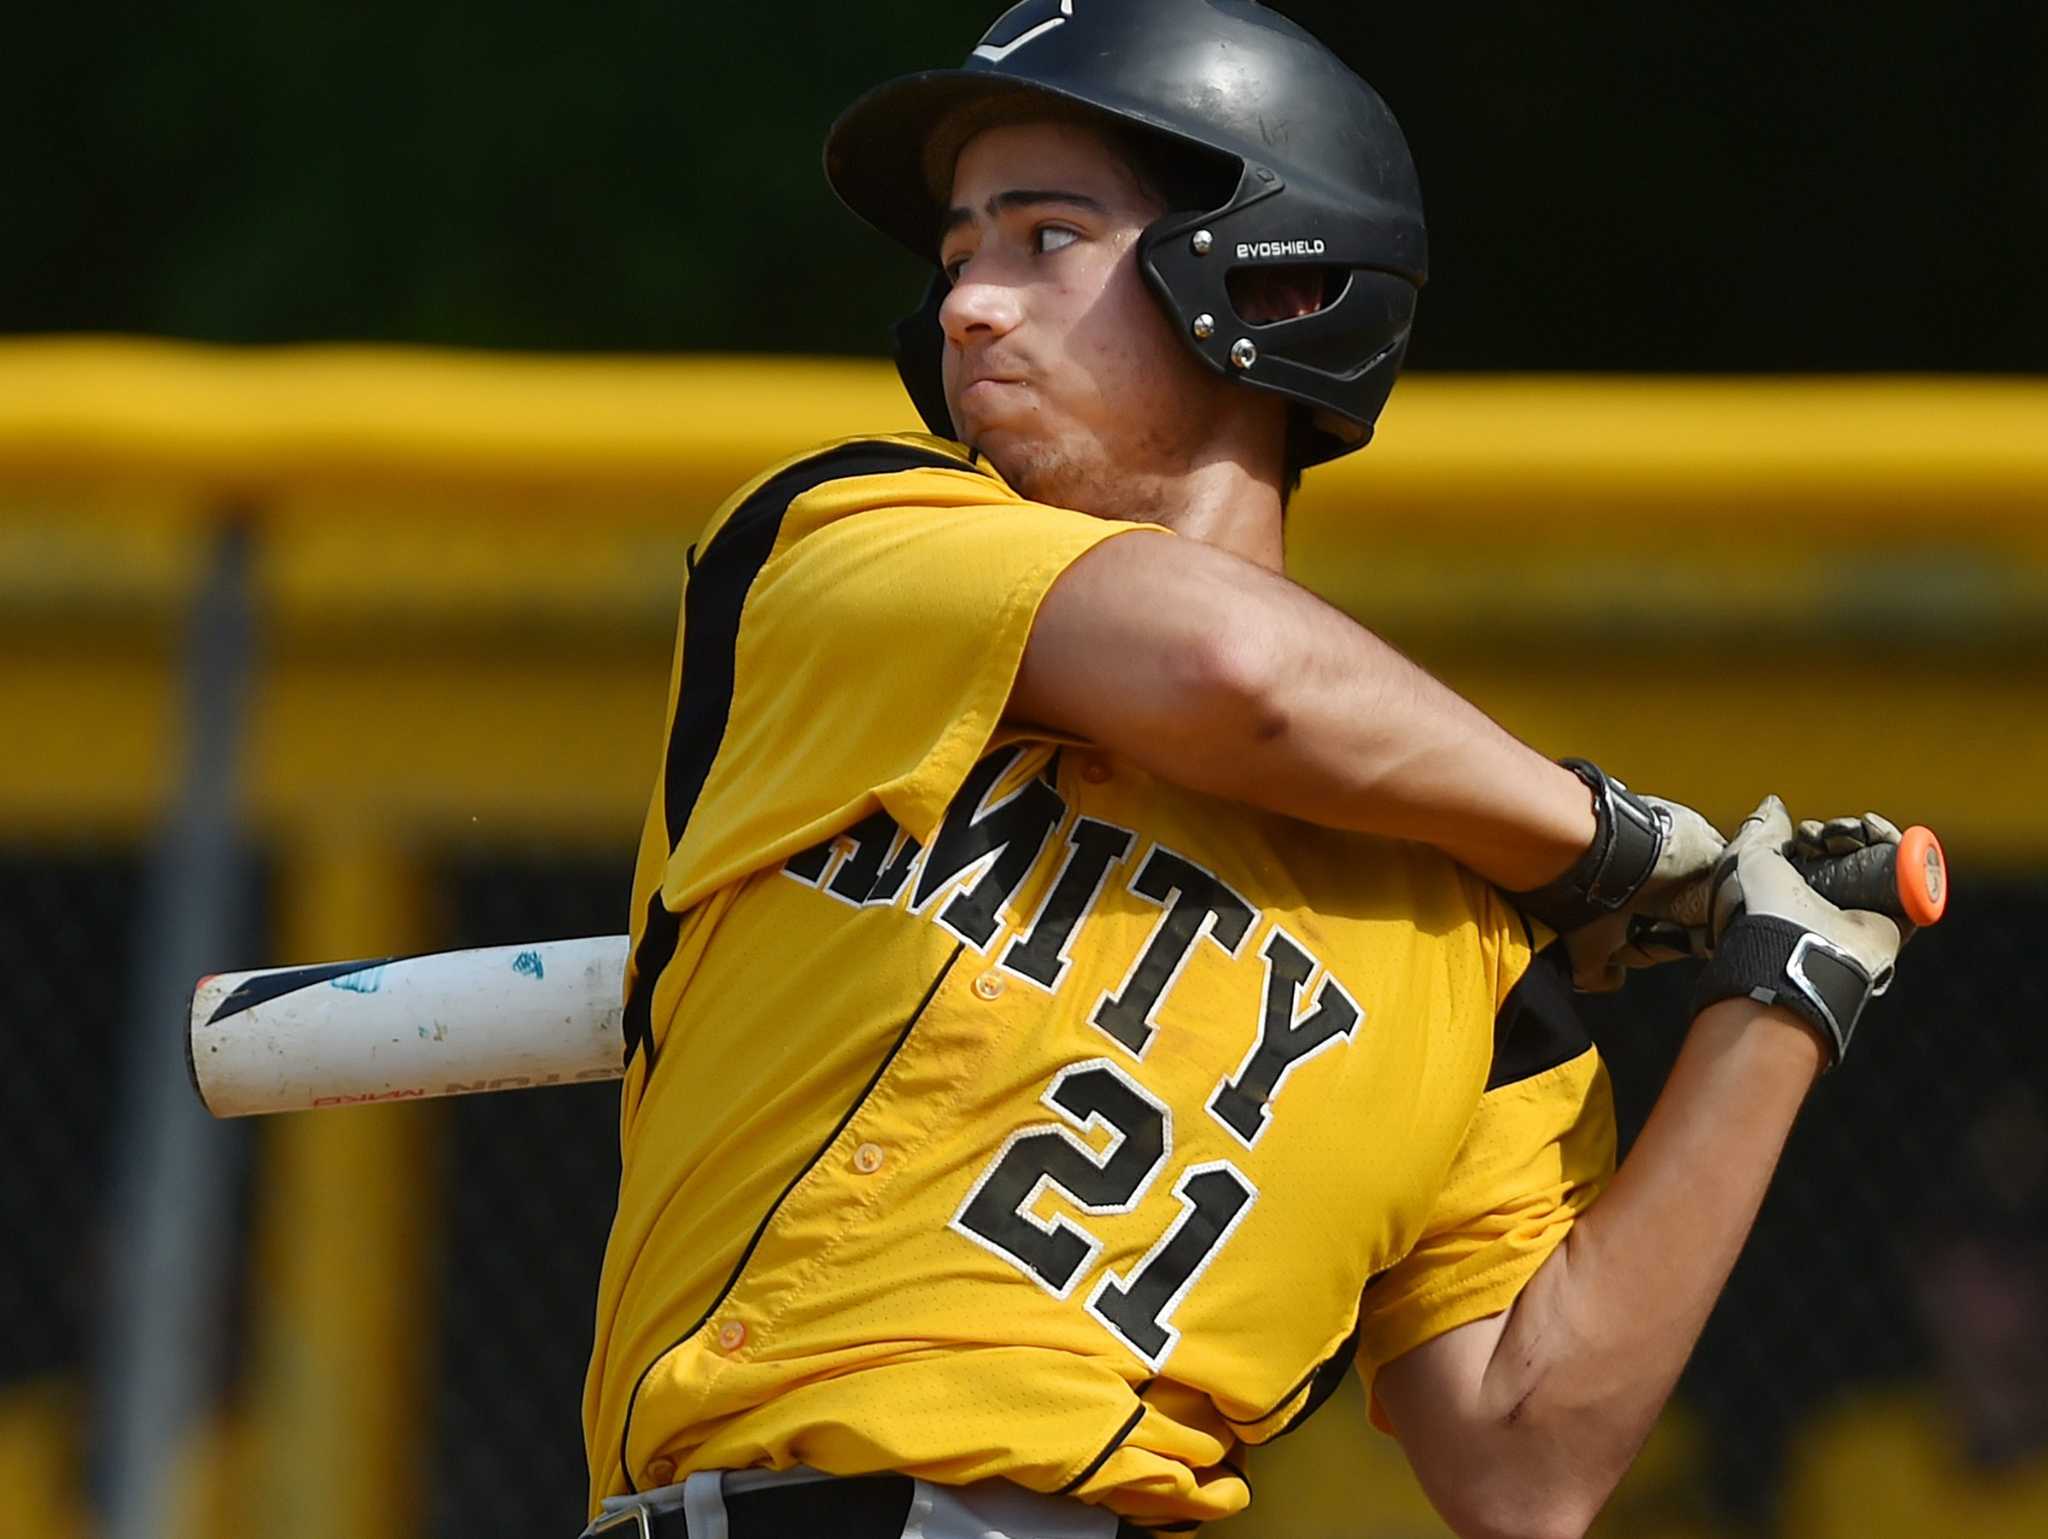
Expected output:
(464, 576)
(1645, 568)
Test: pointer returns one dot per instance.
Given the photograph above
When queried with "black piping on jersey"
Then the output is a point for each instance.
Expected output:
(1185, 1525)
(754, 1240)
(715, 593)
(1117, 1441)
(1538, 1026)
(1321, 1382)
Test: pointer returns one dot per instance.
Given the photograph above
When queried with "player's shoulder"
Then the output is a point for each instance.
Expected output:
(1523, 968)
(861, 470)
(1449, 894)
(1497, 952)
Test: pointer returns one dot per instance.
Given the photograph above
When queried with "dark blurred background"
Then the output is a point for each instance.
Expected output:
(1741, 186)
(400, 1300)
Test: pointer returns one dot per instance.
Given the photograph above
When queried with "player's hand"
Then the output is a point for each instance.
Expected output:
(1665, 919)
(1778, 941)
(1814, 840)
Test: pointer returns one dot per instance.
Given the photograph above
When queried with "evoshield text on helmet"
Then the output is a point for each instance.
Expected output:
(1312, 169)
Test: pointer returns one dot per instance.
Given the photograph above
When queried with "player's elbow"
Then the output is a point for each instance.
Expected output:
(1529, 1515)
(1235, 687)
(1522, 1486)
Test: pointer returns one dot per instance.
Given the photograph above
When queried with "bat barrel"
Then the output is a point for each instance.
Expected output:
(408, 1028)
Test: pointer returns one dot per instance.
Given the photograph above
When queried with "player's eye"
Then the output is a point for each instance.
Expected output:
(1052, 237)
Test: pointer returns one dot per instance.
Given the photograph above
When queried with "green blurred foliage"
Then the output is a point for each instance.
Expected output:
(1611, 185)
(633, 174)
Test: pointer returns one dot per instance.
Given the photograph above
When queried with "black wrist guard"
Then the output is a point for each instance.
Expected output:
(1628, 837)
(1776, 962)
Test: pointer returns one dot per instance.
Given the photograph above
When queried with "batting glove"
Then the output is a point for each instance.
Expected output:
(1779, 942)
(1639, 895)
(1814, 840)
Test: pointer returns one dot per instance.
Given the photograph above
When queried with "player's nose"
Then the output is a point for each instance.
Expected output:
(978, 309)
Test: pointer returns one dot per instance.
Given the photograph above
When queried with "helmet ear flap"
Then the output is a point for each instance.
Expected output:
(919, 343)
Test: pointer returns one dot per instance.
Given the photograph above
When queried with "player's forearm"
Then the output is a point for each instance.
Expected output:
(1588, 1355)
(1222, 677)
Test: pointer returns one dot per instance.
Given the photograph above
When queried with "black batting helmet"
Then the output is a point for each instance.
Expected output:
(1311, 170)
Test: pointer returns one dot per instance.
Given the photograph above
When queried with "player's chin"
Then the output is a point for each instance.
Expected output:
(1022, 459)
(1045, 471)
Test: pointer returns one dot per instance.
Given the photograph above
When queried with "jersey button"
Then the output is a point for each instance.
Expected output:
(990, 985)
(1095, 771)
(731, 1336)
(660, 1470)
(867, 1159)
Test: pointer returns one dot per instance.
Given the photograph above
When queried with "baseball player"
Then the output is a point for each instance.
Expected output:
(1074, 1013)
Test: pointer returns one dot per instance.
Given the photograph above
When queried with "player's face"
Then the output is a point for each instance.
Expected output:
(1060, 366)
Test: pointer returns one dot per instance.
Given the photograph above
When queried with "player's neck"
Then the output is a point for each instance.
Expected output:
(1229, 506)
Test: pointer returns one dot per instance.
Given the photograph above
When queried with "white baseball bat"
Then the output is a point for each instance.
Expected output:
(406, 1028)
(548, 1012)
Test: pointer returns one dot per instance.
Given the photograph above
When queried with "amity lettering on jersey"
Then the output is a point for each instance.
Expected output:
(997, 1109)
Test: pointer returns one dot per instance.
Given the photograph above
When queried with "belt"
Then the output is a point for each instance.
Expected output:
(845, 1507)
(855, 1507)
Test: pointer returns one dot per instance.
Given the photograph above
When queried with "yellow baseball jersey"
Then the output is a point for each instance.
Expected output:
(995, 1108)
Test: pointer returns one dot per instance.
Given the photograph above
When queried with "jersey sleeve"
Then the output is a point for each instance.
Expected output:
(1537, 1152)
(852, 627)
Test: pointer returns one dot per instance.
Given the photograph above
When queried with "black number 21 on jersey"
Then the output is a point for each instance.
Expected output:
(1056, 1253)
